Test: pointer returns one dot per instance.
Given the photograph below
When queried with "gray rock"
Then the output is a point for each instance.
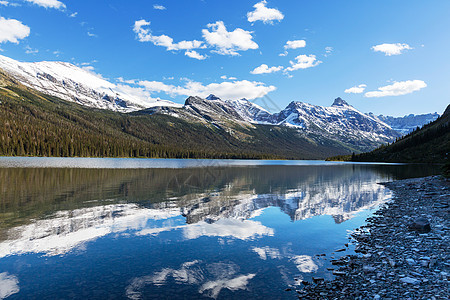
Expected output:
(421, 225)
(409, 280)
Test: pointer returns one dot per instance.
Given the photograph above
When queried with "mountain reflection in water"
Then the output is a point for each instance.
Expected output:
(237, 225)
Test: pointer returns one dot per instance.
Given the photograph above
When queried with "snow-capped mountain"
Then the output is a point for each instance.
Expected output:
(338, 125)
(407, 123)
(340, 121)
(71, 83)
(250, 111)
(224, 213)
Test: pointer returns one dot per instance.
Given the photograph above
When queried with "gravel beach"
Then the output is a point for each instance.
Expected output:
(403, 252)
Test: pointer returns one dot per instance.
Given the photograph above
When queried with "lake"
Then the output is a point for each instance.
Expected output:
(179, 229)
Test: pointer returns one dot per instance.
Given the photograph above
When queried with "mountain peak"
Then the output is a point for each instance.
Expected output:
(340, 102)
(212, 97)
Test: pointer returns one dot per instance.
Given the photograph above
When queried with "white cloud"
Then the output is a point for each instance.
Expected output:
(262, 13)
(91, 34)
(391, 49)
(12, 30)
(398, 88)
(29, 50)
(264, 69)
(225, 77)
(305, 263)
(89, 68)
(226, 90)
(144, 35)
(328, 51)
(195, 54)
(264, 252)
(73, 15)
(210, 278)
(303, 62)
(7, 3)
(356, 89)
(159, 7)
(9, 285)
(228, 42)
(213, 288)
(49, 3)
(239, 229)
(295, 44)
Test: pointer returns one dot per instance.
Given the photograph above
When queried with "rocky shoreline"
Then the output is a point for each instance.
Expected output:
(403, 252)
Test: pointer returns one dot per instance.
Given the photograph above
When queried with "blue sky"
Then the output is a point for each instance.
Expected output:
(386, 57)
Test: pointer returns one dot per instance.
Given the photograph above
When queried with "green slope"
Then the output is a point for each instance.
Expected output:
(430, 144)
(34, 124)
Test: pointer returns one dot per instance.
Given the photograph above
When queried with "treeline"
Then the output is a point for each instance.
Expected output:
(38, 125)
(34, 124)
(431, 144)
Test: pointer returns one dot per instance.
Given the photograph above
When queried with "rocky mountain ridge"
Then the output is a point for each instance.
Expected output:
(340, 124)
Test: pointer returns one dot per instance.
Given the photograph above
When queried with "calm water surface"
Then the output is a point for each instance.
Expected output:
(178, 229)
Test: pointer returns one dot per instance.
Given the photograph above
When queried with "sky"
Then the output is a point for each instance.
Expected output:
(386, 57)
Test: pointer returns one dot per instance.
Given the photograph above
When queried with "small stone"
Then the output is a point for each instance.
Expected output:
(318, 280)
(421, 225)
(409, 280)
(368, 269)
(339, 273)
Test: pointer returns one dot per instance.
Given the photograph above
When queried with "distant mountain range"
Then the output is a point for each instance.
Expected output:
(310, 130)
(408, 123)
(429, 144)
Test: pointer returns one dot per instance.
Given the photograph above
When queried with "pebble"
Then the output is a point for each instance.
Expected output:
(394, 258)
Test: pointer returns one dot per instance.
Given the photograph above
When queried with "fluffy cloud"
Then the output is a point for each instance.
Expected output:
(264, 69)
(9, 285)
(398, 88)
(159, 7)
(228, 42)
(12, 30)
(224, 77)
(239, 229)
(49, 3)
(262, 13)
(144, 35)
(29, 50)
(303, 62)
(195, 54)
(391, 49)
(356, 89)
(212, 288)
(225, 90)
(295, 44)
(305, 263)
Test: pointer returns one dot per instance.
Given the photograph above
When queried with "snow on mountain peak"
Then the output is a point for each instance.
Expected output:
(71, 83)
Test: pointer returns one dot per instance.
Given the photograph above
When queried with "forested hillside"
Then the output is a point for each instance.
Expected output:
(430, 144)
(34, 124)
